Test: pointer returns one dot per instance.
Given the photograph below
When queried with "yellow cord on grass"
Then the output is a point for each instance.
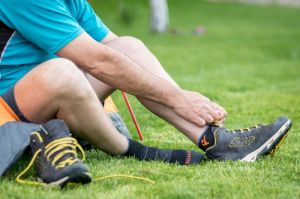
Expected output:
(124, 176)
(34, 183)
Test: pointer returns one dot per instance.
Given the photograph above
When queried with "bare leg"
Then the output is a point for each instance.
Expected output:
(136, 51)
(192, 131)
(58, 89)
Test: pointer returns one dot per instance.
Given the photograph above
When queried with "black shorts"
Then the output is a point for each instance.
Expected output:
(9, 98)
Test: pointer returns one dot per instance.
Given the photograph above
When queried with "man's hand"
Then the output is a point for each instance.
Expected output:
(198, 109)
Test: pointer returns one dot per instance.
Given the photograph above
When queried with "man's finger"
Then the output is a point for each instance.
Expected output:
(208, 118)
(210, 115)
(215, 106)
(220, 109)
(201, 122)
(198, 121)
(225, 112)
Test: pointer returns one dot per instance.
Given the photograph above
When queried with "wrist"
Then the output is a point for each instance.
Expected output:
(174, 97)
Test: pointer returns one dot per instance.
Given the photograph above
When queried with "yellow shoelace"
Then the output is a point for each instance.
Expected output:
(242, 130)
(58, 145)
(246, 129)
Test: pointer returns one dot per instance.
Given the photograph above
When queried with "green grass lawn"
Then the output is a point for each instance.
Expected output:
(248, 60)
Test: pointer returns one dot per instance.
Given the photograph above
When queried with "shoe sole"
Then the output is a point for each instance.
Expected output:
(279, 143)
(82, 178)
(274, 142)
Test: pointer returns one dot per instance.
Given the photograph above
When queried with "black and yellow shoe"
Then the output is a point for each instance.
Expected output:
(247, 144)
(56, 157)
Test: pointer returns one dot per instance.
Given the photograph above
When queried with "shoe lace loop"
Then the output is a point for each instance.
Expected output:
(57, 149)
(243, 130)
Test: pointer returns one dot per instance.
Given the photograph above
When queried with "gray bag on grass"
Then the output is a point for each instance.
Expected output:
(14, 139)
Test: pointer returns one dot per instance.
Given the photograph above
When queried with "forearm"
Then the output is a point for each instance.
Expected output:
(118, 71)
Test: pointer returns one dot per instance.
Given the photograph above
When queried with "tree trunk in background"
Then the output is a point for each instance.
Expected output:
(159, 18)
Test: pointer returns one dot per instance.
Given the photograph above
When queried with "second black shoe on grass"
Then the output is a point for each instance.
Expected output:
(57, 162)
(244, 144)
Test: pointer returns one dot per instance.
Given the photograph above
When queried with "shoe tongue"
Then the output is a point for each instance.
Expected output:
(213, 127)
(54, 129)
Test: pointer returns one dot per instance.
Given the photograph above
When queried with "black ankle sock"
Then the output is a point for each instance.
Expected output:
(207, 139)
(142, 152)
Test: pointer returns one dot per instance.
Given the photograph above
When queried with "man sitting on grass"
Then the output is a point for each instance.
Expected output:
(58, 59)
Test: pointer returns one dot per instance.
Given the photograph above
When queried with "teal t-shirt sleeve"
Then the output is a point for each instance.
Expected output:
(46, 23)
(89, 20)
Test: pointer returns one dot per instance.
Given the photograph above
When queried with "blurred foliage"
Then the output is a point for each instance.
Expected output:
(126, 13)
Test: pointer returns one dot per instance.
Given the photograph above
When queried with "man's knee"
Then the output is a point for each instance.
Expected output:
(62, 76)
(132, 43)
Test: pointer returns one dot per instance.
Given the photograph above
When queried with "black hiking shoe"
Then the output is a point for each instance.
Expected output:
(247, 144)
(57, 162)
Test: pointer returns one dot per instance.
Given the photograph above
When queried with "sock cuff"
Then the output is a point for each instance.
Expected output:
(125, 152)
(135, 149)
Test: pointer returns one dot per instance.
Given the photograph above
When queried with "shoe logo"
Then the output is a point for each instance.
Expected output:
(241, 142)
(204, 142)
